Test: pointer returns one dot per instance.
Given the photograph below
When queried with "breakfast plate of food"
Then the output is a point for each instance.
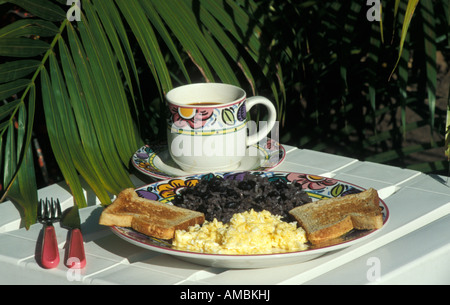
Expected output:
(155, 161)
(246, 219)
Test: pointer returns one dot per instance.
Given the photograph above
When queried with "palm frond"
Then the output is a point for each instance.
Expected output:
(42, 8)
(18, 168)
(406, 22)
(89, 82)
(17, 116)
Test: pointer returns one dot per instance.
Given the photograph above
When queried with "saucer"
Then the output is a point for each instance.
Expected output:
(155, 161)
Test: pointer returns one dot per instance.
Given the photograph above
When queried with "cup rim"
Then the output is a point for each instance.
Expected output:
(239, 99)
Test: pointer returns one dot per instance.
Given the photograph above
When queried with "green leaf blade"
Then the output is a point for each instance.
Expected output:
(42, 8)
(29, 27)
(22, 47)
(14, 70)
(11, 88)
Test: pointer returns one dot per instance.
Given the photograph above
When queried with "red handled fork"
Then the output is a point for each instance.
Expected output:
(49, 211)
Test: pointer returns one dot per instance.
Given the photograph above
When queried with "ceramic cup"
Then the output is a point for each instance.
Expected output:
(208, 127)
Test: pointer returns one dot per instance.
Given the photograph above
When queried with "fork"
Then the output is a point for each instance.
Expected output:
(48, 213)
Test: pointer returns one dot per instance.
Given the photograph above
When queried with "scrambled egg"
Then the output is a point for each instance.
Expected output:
(247, 233)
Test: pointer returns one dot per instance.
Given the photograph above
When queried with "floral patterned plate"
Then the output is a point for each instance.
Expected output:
(155, 160)
(317, 188)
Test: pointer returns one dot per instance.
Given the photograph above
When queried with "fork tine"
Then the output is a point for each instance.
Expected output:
(39, 210)
(58, 208)
(46, 212)
(52, 209)
(49, 210)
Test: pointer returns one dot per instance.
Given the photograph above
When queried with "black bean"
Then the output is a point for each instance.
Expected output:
(220, 198)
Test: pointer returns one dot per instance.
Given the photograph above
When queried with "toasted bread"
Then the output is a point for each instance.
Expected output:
(149, 217)
(330, 218)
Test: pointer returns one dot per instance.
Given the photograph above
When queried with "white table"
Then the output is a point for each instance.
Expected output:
(412, 248)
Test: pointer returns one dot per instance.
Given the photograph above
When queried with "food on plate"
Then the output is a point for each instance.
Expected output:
(246, 214)
(327, 219)
(220, 198)
(149, 217)
(249, 232)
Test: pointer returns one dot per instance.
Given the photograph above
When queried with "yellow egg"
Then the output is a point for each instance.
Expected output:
(247, 233)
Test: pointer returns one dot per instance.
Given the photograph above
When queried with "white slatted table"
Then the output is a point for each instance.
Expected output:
(413, 247)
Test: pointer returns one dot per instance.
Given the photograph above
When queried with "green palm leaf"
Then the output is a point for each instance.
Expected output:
(22, 47)
(412, 4)
(82, 77)
(143, 31)
(16, 69)
(42, 8)
(26, 27)
(59, 142)
(8, 89)
(18, 169)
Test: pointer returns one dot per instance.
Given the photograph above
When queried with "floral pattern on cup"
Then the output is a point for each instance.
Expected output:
(199, 118)
(183, 117)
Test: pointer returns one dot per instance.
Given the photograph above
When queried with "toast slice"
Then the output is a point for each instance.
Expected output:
(328, 219)
(149, 217)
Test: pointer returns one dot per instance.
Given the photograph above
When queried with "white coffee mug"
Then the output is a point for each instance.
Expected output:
(207, 126)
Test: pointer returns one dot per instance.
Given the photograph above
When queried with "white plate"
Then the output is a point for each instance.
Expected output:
(155, 161)
(316, 187)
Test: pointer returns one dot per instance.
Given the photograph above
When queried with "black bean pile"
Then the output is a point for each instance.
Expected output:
(220, 198)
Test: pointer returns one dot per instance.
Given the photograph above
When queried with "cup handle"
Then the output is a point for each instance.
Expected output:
(265, 128)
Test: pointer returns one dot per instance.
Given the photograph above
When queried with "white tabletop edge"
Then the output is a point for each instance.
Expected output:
(351, 253)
